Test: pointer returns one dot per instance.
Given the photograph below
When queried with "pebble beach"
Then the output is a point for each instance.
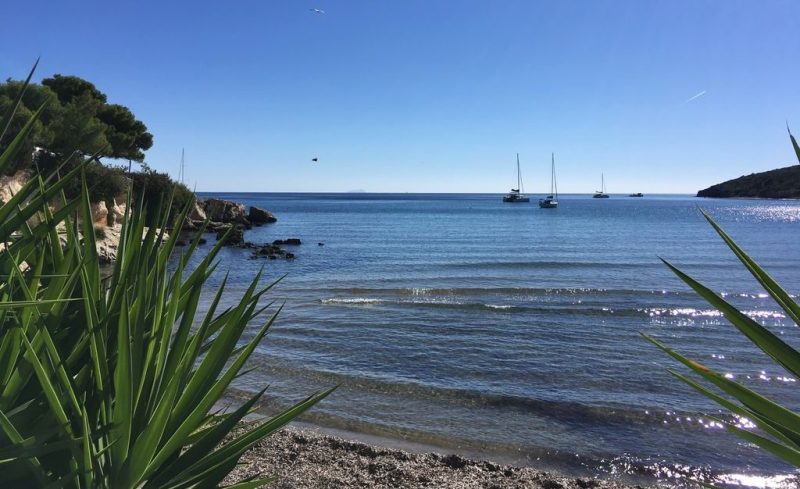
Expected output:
(306, 459)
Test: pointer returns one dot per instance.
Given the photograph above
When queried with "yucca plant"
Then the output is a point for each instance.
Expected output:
(111, 382)
(778, 426)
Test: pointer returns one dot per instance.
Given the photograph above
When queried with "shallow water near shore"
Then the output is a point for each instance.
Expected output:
(465, 323)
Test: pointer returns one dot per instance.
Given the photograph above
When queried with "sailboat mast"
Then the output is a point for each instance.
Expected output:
(181, 171)
(519, 178)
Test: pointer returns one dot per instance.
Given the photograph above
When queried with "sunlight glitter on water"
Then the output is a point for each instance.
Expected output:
(747, 480)
(773, 213)
(712, 313)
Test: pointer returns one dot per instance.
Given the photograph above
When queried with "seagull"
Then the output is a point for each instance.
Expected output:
(317, 11)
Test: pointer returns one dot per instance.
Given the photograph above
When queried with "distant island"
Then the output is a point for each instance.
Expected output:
(783, 183)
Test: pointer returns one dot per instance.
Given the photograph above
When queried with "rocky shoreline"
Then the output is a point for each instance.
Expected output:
(306, 459)
(229, 221)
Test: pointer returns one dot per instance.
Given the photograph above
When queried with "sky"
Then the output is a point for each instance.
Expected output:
(435, 96)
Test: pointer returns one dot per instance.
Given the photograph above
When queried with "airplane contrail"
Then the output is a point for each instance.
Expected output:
(696, 96)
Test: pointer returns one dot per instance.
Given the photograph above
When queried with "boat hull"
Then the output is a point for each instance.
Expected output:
(516, 200)
(548, 204)
(600, 196)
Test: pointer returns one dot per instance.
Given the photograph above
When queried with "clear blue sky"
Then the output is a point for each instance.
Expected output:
(435, 96)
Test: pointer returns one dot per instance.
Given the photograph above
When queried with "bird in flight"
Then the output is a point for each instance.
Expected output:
(317, 11)
(315, 160)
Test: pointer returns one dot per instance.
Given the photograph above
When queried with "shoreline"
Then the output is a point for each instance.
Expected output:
(307, 453)
(306, 456)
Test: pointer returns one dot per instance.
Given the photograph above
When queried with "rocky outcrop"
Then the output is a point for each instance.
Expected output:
(235, 238)
(224, 211)
(99, 212)
(10, 185)
(271, 251)
(258, 215)
(219, 215)
(107, 241)
(106, 217)
(116, 210)
(288, 241)
(197, 212)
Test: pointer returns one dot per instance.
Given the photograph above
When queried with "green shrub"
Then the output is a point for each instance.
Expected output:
(155, 189)
(104, 182)
(112, 383)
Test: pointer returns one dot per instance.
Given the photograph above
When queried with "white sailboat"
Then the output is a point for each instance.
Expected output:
(516, 195)
(601, 194)
(551, 201)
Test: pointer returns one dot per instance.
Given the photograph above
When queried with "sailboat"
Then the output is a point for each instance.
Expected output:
(551, 201)
(515, 195)
(601, 194)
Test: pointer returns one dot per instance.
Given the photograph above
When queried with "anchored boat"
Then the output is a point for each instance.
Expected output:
(516, 195)
(551, 201)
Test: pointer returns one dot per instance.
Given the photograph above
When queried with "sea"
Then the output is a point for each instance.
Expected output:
(514, 333)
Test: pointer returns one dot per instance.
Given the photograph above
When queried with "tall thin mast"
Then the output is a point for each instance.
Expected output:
(519, 178)
(180, 174)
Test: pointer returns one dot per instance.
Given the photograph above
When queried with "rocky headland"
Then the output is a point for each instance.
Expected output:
(783, 183)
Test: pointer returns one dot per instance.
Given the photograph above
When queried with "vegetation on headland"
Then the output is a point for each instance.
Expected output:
(783, 183)
(779, 426)
(110, 382)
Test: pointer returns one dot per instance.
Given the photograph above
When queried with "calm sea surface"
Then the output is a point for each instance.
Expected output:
(511, 331)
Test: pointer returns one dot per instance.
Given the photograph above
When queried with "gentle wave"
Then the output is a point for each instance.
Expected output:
(528, 291)
(570, 413)
(483, 265)
(532, 291)
(559, 308)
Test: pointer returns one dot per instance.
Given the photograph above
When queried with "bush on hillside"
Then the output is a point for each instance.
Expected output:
(155, 189)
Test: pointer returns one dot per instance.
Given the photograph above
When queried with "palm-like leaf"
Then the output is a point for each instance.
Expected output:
(780, 425)
(107, 382)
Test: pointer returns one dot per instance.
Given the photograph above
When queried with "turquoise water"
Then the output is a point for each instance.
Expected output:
(505, 329)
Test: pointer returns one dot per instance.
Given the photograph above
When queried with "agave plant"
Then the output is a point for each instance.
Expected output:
(114, 382)
(779, 426)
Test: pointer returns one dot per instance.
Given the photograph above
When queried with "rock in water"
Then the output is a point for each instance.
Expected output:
(258, 215)
(236, 238)
(197, 212)
(224, 211)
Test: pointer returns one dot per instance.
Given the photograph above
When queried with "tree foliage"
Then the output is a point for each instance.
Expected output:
(44, 128)
(76, 118)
